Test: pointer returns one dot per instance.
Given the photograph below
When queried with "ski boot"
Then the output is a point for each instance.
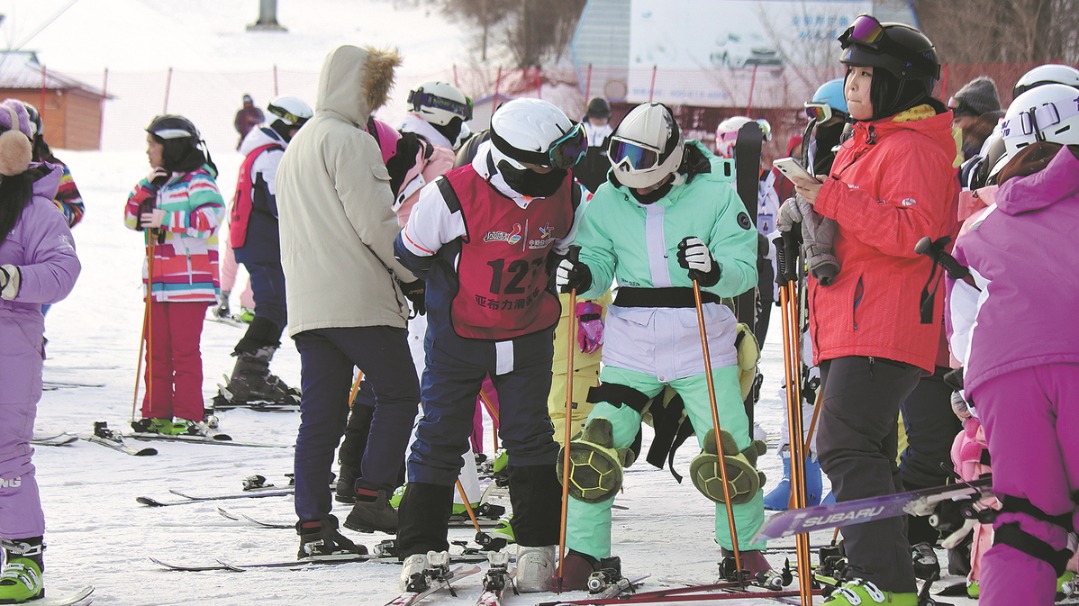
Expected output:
(755, 568)
(371, 512)
(164, 427)
(345, 489)
(504, 529)
(580, 570)
(321, 539)
(535, 568)
(418, 569)
(188, 427)
(926, 564)
(253, 383)
(778, 499)
(859, 591)
(21, 578)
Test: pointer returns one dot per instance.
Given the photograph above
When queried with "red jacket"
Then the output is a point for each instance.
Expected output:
(892, 183)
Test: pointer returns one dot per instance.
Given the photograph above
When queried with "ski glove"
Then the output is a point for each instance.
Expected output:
(695, 256)
(10, 278)
(572, 274)
(790, 216)
(415, 292)
(589, 327)
(222, 309)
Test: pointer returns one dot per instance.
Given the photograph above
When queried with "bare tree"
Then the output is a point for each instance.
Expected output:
(1001, 31)
(531, 31)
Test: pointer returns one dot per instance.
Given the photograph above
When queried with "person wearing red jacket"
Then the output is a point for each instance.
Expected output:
(876, 327)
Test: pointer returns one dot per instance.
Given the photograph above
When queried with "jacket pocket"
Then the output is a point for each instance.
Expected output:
(859, 293)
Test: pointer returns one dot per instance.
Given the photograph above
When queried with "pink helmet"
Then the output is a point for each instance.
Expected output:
(385, 136)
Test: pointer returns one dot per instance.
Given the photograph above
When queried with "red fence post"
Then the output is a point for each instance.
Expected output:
(944, 82)
(539, 83)
(588, 83)
(456, 82)
(752, 85)
(652, 86)
(168, 86)
(101, 113)
(275, 93)
(498, 84)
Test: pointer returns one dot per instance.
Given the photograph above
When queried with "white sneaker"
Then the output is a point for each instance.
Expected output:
(413, 564)
(535, 568)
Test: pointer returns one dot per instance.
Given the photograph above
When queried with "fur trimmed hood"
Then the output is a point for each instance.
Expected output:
(355, 82)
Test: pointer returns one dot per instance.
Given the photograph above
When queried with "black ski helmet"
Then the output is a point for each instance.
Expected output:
(181, 141)
(598, 107)
(904, 60)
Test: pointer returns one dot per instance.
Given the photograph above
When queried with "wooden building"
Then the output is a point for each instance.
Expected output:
(70, 110)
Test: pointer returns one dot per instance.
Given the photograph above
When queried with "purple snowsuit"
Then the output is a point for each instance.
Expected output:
(40, 246)
(1018, 340)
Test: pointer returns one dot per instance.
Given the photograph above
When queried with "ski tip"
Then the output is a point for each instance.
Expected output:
(151, 502)
(146, 452)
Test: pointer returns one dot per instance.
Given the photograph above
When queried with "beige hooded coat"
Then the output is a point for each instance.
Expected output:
(335, 205)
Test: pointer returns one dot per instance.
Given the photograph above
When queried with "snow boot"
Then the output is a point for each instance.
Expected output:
(320, 539)
(251, 381)
(860, 592)
(578, 567)
(535, 568)
(778, 499)
(21, 578)
(371, 512)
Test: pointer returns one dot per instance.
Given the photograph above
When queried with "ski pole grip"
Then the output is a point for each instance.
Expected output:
(936, 252)
(789, 252)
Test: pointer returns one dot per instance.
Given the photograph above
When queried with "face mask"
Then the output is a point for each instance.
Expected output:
(529, 183)
(655, 195)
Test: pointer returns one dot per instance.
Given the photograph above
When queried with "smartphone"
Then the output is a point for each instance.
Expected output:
(792, 169)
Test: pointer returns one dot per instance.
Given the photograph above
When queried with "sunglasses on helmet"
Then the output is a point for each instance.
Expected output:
(818, 112)
(418, 98)
(631, 155)
(865, 30)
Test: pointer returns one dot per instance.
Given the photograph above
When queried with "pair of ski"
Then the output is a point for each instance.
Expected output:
(54, 439)
(305, 563)
(439, 575)
(712, 592)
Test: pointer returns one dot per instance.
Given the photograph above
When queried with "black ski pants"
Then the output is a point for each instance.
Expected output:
(857, 443)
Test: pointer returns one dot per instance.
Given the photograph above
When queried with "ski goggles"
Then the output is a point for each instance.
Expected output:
(631, 155)
(818, 112)
(1037, 119)
(418, 98)
(564, 152)
(866, 31)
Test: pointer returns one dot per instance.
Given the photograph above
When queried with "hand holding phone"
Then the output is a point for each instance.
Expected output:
(793, 170)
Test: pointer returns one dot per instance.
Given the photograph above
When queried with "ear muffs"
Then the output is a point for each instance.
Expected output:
(15, 153)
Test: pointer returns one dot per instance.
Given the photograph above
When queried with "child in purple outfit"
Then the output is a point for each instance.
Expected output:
(37, 266)
(1026, 390)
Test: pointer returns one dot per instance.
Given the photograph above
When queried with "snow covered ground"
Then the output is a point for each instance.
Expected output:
(97, 533)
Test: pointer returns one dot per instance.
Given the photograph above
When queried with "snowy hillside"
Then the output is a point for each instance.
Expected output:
(97, 533)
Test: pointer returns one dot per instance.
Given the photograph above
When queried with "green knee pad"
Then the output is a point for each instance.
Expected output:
(595, 466)
(744, 479)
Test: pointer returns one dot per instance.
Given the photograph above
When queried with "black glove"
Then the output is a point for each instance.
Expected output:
(414, 292)
(572, 274)
(695, 256)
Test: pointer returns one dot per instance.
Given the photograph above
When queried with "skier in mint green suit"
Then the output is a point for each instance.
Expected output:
(667, 215)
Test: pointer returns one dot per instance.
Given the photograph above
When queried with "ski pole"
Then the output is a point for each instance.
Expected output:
(468, 506)
(355, 387)
(786, 257)
(571, 341)
(493, 413)
(144, 336)
(717, 429)
(934, 249)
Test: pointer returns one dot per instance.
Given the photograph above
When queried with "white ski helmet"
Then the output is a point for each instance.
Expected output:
(646, 147)
(439, 102)
(1049, 73)
(533, 131)
(1047, 113)
(293, 111)
(727, 134)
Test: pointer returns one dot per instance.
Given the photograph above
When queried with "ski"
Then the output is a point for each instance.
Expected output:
(79, 598)
(60, 439)
(431, 581)
(298, 564)
(243, 517)
(188, 499)
(220, 438)
(54, 385)
(918, 502)
(603, 588)
(747, 169)
(110, 439)
(497, 578)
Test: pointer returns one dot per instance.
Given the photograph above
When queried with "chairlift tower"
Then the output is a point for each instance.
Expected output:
(267, 18)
